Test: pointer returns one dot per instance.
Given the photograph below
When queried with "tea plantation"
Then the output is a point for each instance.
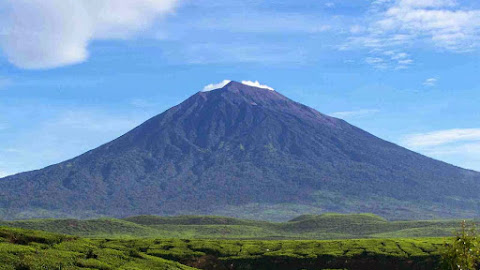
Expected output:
(26, 249)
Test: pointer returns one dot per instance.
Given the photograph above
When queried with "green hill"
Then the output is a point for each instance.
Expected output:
(27, 249)
(327, 226)
(87, 228)
(191, 220)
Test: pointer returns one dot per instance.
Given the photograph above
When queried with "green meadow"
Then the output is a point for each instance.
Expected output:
(308, 227)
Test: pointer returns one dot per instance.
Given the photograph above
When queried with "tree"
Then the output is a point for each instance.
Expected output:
(463, 252)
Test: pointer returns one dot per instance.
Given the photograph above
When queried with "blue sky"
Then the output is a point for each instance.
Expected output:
(77, 73)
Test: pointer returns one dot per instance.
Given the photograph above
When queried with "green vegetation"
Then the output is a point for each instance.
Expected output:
(26, 249)
(326, 226)
(363, 241)
(463, 252)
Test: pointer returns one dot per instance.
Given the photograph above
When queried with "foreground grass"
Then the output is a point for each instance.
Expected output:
(327, 226)
(26, 249)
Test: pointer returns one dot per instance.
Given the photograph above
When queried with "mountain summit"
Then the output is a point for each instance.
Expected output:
(247, 152)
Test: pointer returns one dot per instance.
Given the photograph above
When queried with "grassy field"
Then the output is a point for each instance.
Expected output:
(318, 227)
(25, 249)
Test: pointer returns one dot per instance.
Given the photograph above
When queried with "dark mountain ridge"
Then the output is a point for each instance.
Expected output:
(246, 152)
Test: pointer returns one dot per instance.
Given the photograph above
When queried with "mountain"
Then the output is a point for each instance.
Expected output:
(245, 152)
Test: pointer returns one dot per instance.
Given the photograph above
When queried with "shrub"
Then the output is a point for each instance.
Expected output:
(90, 254)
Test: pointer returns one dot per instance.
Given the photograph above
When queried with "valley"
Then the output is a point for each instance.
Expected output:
(320, 227)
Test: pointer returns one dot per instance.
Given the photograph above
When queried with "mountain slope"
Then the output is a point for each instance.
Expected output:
(246, 152)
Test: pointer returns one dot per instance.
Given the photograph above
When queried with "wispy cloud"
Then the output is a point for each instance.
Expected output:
(390, 59)
(457, 146)
(265, 22)
(5, 82)
(232, 52)
(330, 4)
(377, 62)
(89, 121)
(68, 134)
(145, 103)
(354, 114)
(461, 149)
(442, 137)
(52, 33)
(430, 82)
(250, 32)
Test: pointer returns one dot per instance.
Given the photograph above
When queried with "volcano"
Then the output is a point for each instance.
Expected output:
(247, 152)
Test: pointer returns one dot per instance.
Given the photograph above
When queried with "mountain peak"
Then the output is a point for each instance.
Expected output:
(229, 84)
(252, 93)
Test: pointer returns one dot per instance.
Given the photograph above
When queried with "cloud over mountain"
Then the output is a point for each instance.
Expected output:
(221, 84)
(214, 86)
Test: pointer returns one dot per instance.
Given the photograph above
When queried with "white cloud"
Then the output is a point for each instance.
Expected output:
(466, 148)
(4, 174)
(456, 146)
(51, 33)
(430, 82)
(427, 3)
(376, 62)
(221, 84)
(354, 114)
(441, 137)
(356, 29)
(214, 86)
(440, 22)
(405, 62)
(397, 56)
(330, 4)
(257, 84)
(403, 24)
(450, 29)
(390, 59)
